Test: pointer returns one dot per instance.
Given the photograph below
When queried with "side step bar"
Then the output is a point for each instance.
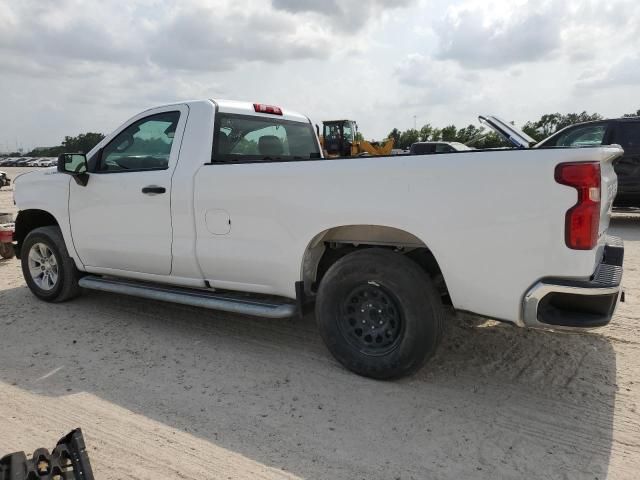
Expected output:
(244, 305)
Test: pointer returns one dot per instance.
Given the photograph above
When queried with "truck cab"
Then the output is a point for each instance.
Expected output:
(339, 137)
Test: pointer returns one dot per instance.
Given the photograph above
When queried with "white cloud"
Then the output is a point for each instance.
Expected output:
(441, 81)
(346, 15)
(490, 34)
(625, 72)
(78, 65)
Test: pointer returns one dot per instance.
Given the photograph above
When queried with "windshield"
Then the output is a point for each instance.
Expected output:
(246, 137)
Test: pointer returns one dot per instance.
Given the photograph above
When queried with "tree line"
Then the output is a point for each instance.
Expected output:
(480, 137)
(471, 135)
(79, 144)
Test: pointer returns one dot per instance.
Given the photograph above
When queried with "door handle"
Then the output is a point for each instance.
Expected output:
(153, 190)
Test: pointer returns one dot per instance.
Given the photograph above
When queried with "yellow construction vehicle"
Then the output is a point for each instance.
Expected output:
(339, 139)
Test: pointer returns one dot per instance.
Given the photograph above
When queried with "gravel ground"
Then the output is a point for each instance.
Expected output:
(166, 391)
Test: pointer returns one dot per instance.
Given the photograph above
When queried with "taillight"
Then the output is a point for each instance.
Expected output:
(261, 108)
(583, 219)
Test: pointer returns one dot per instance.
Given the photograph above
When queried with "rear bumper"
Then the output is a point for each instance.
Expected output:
(568, 303)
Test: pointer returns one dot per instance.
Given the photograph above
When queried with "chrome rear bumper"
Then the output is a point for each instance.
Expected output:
(568, 303)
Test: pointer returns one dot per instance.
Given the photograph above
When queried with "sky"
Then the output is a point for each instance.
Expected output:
(72, 66)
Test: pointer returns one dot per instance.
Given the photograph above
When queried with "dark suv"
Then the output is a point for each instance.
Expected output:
(624, 132)
(423, 148)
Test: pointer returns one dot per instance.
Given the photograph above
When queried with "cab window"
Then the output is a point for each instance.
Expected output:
(348, 132)
(250, 138)
(143, 145)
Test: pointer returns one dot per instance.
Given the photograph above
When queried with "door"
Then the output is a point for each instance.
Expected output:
(627, 135)
(122, 218)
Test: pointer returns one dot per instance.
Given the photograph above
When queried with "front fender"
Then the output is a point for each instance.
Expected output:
(42, 198)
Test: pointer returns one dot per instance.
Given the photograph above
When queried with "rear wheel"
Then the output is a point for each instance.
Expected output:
(379, 313)
(48, 269)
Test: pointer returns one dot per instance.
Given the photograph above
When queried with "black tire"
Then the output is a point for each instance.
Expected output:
(386, 297)
(6, 250)
(66, 285)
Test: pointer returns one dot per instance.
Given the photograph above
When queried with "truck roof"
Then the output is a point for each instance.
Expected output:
(248, 108)
(244, 108)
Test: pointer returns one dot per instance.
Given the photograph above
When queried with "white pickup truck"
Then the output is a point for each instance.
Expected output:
(231, 206)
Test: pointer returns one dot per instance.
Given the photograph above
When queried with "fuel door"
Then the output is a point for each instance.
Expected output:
(218, 222)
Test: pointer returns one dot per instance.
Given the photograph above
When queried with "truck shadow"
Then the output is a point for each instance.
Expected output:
(495, 401)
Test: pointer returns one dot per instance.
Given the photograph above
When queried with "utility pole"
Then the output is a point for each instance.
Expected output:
(415, 124)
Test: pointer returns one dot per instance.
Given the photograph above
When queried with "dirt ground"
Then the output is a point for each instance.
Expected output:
(166, 391)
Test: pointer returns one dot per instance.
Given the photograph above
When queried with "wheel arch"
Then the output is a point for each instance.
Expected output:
(28, 220)
(330, 245)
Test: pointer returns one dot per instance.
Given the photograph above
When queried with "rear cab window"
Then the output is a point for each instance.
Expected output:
(250, 138)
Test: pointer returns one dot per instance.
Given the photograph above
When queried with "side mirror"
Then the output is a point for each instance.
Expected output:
(74, 164)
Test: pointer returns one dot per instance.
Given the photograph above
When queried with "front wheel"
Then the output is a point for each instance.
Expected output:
(379, 313)
(49, 271)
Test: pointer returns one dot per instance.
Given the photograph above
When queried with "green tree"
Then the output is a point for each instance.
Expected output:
(469, 134)
(573, 118)
(430, 134)
(490, 140)
(395, 134)
(83, 142)
(532, 130)
(449, 133)
(45, 152)
(408, 137)
(550, 123)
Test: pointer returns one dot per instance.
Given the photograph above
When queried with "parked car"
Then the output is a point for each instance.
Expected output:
(230, 206)
(48, 162)
(4, 179)
(621, 131)
(9, 162)
(423, 148)
(22, 162)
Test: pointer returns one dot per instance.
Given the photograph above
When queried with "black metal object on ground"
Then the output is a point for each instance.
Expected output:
(68, 461)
